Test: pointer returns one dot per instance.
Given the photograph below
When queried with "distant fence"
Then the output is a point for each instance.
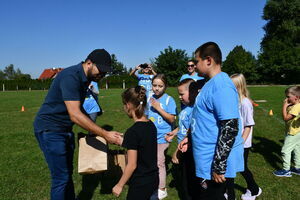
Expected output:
(123, 81)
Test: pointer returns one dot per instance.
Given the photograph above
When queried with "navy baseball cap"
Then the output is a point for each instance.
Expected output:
(101, 58)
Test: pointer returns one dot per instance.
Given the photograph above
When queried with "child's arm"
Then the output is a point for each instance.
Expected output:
(153, 72)
(129, 169)
(171, 134)
(246, 132)
(175, 158)
(134, 70)
(285, 115)
(156, 105)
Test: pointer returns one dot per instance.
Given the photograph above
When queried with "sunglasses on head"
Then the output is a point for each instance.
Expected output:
(191, 65)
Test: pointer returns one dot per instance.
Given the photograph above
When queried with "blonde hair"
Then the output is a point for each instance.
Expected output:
(294, 90)
(241, 85)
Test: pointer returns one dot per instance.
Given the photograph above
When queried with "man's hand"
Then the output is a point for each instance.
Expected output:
(218, 178)
(117, 190)
(183, 145)
(114, 137)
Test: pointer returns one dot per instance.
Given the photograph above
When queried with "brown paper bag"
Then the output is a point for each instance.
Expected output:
(92, 156)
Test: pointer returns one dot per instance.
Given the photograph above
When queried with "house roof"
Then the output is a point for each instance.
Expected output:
(50, 73)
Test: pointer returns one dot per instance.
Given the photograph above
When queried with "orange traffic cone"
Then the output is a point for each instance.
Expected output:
(271, 113)
(22, 109)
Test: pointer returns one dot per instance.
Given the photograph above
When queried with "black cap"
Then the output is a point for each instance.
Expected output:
(101, 58)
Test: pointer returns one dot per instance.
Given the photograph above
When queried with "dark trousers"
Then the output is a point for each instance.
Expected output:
(251, 184)
(189, 181)
(58, 149)
(209, 190)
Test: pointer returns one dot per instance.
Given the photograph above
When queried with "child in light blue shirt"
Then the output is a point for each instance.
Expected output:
(162, 112)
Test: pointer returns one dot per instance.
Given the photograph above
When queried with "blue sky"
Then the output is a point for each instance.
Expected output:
(40, 34)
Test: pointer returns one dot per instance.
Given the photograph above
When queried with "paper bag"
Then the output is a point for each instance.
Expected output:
(92, 156)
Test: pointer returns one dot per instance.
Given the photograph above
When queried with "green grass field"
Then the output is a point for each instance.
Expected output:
(24, 173)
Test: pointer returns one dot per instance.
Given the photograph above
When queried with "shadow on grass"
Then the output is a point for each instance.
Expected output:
(269, 149)
(106, 179)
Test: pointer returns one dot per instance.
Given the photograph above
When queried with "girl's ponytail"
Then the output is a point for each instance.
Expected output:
(137, 97)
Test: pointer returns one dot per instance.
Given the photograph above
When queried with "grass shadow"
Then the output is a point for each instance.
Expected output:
(270, 150)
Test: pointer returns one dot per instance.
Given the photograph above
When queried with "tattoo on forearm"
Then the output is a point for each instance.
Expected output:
(229, 130)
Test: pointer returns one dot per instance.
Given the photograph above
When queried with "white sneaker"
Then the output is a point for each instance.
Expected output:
(162, 193)
(248, 196)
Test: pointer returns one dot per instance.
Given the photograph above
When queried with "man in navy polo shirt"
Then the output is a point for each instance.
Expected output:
(61, 109)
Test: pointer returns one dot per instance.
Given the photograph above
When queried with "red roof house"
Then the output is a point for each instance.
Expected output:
(50, 73)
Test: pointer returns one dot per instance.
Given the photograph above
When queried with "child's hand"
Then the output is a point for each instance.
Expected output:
(175, 159)
(170, 136)
(117, 190)
(155, 104)
(183, 145)
(286, 102)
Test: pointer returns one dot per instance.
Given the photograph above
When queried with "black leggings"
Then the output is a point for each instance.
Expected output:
(251, 184)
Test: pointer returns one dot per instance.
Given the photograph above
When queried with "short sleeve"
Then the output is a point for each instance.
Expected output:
(171, 106)
(295, 110)
(70, 88)
(247, 114)
(225, 103)
(130, 140)
(181, 78)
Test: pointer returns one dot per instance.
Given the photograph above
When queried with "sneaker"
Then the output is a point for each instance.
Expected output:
(295, 171)
(248, 196)
(162, 193)
(283, 173)
(226, 196)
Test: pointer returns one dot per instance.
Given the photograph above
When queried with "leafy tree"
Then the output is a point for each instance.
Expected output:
(172, 63)
(118, 67)
(10, 72)
(2, 75)
(241, 61)
(279, 60)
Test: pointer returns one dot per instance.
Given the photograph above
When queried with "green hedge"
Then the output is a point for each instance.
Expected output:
(34, 84)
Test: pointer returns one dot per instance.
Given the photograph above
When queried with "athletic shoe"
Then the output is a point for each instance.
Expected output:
(295, 171)
(226, 196)
(248, 196)
(283, 173)
(162, 193)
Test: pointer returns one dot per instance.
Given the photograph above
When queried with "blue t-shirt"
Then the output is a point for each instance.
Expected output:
(168, 104)
(185, 117)
(218, 100)
(145, 80)
(90, 104)
(195, 77)
(70, 84)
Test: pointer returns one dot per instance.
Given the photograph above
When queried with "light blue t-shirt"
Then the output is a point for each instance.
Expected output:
(218, 100)
(195, 77)
(168, 104)
(185, 117)
(145, 80)
(90, 104)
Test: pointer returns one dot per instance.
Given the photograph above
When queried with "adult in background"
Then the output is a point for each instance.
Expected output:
(216, 130)
(61, 109)
(191, 67)
(144, 78)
